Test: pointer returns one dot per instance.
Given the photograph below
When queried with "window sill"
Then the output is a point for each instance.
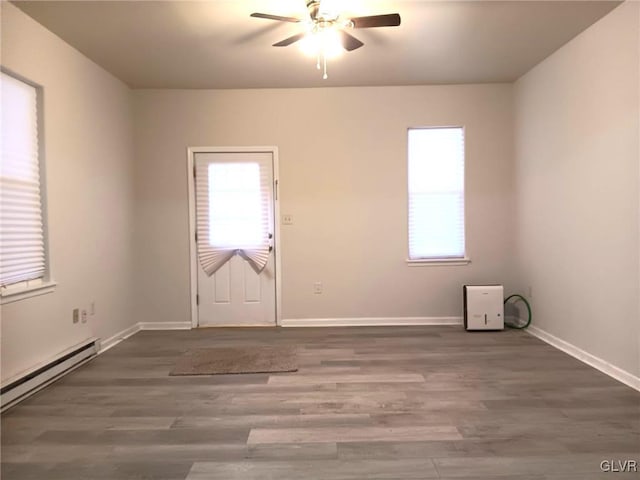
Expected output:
(433, 262)
(10, 295)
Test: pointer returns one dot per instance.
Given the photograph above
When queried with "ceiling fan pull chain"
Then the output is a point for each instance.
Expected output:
(318, 60)
(324, 60)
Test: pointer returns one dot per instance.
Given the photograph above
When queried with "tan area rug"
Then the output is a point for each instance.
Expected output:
(251, 359)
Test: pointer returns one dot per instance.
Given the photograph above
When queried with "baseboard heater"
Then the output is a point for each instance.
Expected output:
(30, 383)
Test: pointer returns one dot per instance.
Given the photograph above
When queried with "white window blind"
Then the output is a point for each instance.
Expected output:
(233, 212)
(238, 213)
(22, 252)
(436, 193)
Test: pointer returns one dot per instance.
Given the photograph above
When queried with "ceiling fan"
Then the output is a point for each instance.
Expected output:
(327, 26)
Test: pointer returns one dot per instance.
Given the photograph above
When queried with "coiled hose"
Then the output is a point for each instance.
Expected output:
(519, 327)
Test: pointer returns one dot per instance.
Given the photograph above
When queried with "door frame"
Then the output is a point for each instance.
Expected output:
(193, 249)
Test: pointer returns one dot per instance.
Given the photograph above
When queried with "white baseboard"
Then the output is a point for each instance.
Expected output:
(165, 325)
(586, 357)
(127, 332)
(369, 321)
(112, 341)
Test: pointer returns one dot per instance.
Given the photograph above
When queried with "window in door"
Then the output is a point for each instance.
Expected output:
(237, 209)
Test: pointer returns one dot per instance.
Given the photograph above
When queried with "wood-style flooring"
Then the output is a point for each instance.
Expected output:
(366, 403)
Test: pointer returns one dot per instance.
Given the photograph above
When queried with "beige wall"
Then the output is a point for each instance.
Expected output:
(566, 212)
(577, 129)
(343, 178)
(88, 143)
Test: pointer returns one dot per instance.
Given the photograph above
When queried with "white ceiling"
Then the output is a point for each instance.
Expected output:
(215, 44)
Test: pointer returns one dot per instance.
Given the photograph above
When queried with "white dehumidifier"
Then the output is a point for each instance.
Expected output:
(483, 307)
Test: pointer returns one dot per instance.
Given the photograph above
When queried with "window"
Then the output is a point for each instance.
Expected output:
(23, 263)
(233, 208)
(236, 205)
(436, 195)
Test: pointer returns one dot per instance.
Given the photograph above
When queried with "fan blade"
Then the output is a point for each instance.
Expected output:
(290, 40)
(349, 42)
(388, 20)
(275, 17)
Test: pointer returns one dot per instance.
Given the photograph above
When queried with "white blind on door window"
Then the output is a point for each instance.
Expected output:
(237, 199)
(233, 213)
(22, 253)
(436, 193)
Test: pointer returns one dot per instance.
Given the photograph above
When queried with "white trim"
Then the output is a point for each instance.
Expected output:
(193, 252)
(8, 295)
(276, 232)
(104, 345)
(112, 341)
(586, 357)
(430, 262)
(164, 325)
(369, 321)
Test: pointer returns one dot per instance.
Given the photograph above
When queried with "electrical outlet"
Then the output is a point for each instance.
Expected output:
(84, 316)
(92, 308)
(317, 288)
(287, 219)
(76, 315)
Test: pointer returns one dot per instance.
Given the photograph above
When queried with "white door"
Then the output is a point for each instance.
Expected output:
(240, 204)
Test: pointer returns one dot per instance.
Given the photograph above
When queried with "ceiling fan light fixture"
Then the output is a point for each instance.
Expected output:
(325, 43)
(326, 35)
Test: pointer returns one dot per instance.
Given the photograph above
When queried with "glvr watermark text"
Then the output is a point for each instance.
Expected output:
(619, 466)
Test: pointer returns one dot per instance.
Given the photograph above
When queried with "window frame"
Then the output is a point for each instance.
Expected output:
(45, 284)
(439, 261)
